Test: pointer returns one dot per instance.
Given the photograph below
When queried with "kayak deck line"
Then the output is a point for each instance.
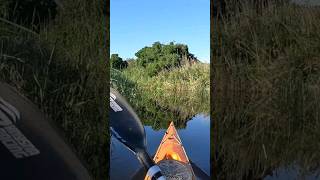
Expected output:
(172, 157)
(171, 145)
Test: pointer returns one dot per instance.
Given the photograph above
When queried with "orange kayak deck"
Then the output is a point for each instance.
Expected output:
(171, 148)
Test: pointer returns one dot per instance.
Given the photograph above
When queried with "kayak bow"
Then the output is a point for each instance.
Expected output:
(172, 158)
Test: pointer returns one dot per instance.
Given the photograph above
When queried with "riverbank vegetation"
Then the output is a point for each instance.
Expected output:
(266, 73)
(55, 55)
(168, 77)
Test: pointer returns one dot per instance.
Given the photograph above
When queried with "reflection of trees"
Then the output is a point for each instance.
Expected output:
(159, 117)
(157, 110)
(158, 113)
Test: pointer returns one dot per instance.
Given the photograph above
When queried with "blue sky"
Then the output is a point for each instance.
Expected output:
(135, 24)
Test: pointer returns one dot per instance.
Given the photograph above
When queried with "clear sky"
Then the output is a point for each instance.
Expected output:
(135, 24)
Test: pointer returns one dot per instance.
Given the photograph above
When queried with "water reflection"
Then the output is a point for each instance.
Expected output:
(195, 137)
(188, 110)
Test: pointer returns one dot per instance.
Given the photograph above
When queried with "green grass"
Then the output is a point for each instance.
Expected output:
(187, 78)
(63, 70)
(267, 77)
(177, 94)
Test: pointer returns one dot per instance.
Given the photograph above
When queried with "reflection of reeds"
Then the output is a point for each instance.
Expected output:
(267, 77)
(63, 70)
(172, 95)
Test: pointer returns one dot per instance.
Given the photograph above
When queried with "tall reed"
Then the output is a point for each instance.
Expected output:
(266, 103)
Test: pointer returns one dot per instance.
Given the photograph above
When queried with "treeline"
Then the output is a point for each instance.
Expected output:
(157, 58)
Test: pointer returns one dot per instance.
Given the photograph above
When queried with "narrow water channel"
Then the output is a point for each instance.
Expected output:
(195, 137)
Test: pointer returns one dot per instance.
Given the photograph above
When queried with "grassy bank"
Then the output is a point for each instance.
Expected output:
(62, 68)
(194, 79)
(267, 85)
(175, 94)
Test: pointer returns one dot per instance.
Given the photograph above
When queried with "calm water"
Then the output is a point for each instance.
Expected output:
(195, 137)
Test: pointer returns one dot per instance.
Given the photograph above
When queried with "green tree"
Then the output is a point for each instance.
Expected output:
(117, 62)
(162, 56)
